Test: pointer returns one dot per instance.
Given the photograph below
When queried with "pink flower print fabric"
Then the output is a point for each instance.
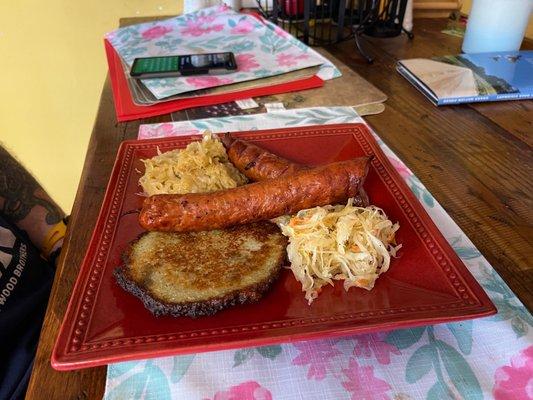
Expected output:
(207, 81)
(250, 390)
(201, 26)
(165, 130)
(155, 32)
(362, 384)
(257, 43)
(289, 60)
(243, 27)
(489, 358)
(368, 345)
(515, 382)
(317, 355)
(246, 62)
(401, 168)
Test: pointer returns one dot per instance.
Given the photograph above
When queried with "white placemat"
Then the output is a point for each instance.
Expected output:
(478, 359)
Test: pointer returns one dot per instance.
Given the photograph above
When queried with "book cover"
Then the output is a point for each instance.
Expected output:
(468, 78)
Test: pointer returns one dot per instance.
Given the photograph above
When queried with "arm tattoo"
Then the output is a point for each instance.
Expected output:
(19, 190)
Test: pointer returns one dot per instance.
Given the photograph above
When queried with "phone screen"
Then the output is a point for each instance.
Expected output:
(215, 60)
(191, 64)
(155, 65)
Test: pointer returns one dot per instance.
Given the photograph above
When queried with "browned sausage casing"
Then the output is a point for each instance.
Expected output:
(330, 184)
(256, 163)
(259, 164)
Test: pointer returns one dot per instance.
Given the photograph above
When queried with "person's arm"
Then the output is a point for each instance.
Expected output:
(24, 202)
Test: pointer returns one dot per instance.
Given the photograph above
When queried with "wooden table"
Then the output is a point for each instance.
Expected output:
(475, 159)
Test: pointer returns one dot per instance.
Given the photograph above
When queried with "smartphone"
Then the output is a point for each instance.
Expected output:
(190, 64)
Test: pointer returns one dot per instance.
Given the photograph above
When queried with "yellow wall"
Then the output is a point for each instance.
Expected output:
(467, 5)
(52, 71)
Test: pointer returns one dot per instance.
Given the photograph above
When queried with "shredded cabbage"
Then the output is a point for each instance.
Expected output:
(201, 167)
(329, 243)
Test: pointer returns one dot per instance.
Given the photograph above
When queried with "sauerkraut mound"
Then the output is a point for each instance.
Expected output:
(201, 167)
(329, 243)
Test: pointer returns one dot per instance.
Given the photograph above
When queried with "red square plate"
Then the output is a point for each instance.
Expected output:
(427, 284)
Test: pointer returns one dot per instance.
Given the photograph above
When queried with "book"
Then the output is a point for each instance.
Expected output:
(469, 78)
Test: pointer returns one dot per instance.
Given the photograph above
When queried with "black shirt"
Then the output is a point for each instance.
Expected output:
(25, 283)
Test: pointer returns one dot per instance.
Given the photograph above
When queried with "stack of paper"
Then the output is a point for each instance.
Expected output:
(269, 61)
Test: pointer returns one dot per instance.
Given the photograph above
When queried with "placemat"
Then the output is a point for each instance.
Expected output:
(477, 359)
(126, 110)
(350, 89)
(261, 48)
(143, 97)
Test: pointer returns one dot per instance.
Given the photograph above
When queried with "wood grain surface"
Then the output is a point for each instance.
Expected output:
(475, 159)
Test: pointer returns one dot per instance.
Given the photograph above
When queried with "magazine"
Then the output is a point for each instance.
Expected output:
(469, 78)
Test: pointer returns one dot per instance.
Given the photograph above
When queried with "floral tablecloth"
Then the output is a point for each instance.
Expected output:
(478, 359)
(261, 48)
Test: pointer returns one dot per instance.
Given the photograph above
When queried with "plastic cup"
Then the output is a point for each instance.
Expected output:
(496, 25)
